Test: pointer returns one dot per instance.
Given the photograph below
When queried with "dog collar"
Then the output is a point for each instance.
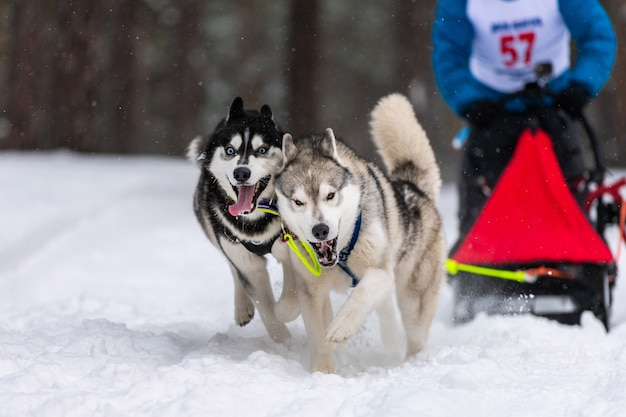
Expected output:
(345, 252)
(268, 206)
(259, 248)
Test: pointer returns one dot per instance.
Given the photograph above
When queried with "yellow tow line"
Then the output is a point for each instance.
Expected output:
(313, 265)
(528, 276)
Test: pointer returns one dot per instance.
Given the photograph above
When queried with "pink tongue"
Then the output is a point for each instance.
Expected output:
(244, 200)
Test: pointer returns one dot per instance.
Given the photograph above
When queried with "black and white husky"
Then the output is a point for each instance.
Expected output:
(379, 231)
(233, 202)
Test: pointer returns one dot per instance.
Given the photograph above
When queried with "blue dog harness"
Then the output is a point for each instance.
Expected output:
(345, 252)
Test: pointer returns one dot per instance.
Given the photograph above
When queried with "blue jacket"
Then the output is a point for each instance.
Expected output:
(586, 20)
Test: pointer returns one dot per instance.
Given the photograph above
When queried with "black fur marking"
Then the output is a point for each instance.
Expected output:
(409, 198)
(240, 120)
(249, 288)
(406, 194)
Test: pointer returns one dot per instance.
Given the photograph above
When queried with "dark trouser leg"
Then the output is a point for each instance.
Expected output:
(569, 153)
(485, 157)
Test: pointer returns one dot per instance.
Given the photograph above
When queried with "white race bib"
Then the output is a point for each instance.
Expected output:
(511, 36)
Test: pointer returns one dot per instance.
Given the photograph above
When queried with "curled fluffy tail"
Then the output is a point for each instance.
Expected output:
(403, 144)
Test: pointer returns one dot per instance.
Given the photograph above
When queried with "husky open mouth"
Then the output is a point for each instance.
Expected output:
(247, 196)
(326, 252)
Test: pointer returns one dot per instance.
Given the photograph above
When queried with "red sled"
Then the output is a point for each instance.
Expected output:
(532, 248)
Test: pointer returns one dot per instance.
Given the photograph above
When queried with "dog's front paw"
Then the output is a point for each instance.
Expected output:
(323, 363)
(325, 369)
(341, 329)
(244, 312)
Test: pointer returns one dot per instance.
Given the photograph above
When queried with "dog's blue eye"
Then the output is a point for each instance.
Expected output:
(262, 150)
(230, 150)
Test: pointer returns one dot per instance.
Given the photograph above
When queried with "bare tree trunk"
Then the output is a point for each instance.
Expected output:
(75, 90)
(412, 28)
(303, 51)
(28, 87)
(190, 64)
(610, 107)
(407, 41)
(249, 84)
(121, 100)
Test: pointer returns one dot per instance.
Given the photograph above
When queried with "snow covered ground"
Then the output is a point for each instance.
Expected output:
(113, 303)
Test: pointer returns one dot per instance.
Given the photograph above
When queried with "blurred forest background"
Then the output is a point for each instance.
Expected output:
(146, 76)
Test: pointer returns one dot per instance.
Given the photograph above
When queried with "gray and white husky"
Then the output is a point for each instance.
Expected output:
(380, 232)
(238, 162)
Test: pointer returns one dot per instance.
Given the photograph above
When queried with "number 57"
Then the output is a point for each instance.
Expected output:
(509, 45)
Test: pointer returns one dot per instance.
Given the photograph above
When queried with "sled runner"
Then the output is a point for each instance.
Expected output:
(532, 249)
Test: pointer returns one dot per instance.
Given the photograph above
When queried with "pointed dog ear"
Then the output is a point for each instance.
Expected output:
(329, 146)
(236, 109)
(195, 151)
(289, 149)
(266, 111)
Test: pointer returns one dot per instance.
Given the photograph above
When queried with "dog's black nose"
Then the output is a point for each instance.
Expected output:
(241, 174)
(320, 231)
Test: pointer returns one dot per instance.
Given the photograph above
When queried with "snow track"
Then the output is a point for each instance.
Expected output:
(113, 303)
